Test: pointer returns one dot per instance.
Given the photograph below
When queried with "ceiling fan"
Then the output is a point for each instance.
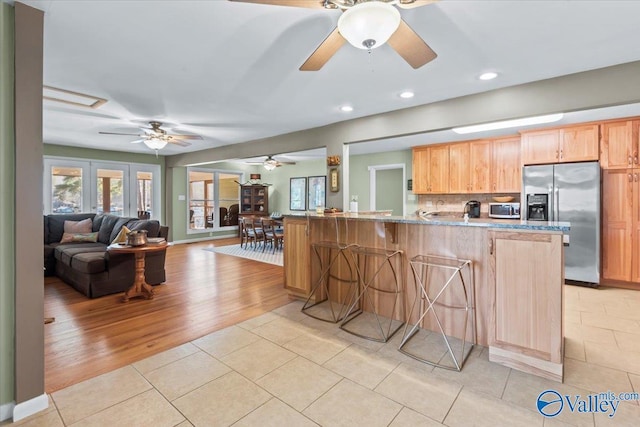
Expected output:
(157, 138)
(270, 163)
(365, 24)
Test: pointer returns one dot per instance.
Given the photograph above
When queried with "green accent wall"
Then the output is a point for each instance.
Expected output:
(359, 176)
(7, 202)
(279, 178)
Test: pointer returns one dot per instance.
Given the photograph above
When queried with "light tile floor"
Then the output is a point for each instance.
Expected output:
(285, 369)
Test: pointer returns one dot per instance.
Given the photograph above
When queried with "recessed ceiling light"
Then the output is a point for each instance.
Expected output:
(346, 108)
(407, 94)
(488, 75)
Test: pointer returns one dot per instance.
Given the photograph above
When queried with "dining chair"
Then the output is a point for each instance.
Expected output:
(271, 234)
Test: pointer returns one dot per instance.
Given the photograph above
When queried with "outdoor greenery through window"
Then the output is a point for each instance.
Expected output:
(123, 189)
(214, 198)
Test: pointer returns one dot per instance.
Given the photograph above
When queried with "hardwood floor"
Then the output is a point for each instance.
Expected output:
(204, 292)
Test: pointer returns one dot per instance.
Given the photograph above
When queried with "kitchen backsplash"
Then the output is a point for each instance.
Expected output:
(455, 202)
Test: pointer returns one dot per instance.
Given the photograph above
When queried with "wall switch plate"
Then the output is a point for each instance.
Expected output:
(411, 197)
(182, 197)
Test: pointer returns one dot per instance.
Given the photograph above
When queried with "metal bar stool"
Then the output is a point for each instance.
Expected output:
(452, 296)
(330, 293)
(380, 273)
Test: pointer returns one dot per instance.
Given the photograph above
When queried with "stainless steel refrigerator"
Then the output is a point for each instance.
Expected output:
(572, 194)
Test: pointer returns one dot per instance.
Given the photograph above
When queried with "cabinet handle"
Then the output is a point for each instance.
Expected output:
(635, 177)
(494, 185)
(630, 161)
(630, 177)
(490, 246)
(560, 154)
(635, 158)
(556, 154)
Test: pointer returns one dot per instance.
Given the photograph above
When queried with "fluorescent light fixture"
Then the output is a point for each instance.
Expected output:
(407, 94)
(64, 96)
(488, 75)
(527, 121)
(346, 108)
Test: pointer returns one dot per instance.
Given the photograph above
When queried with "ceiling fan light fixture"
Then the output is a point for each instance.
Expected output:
(369, 25)
(270, 164)
(155, 143)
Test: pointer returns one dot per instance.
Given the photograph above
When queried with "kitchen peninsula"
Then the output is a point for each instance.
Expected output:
(518, 274)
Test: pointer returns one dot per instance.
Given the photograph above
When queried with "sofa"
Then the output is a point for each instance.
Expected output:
(86, 265)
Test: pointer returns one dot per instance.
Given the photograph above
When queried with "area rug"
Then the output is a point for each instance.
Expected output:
(256, 255)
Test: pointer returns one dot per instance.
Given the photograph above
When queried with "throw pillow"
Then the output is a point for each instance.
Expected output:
(122, 235)
(83, 226)
(79, 237)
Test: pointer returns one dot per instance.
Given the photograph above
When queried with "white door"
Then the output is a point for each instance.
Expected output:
(386, 188)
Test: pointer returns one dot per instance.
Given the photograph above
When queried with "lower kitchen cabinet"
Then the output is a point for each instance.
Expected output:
(526, 274)
(297, 257)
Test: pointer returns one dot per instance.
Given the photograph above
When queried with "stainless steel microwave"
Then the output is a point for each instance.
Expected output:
(504, 210)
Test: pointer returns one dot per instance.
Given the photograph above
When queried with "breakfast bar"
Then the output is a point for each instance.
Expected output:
(517, 274)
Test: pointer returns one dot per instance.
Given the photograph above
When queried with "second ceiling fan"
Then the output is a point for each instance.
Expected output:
(365, 24)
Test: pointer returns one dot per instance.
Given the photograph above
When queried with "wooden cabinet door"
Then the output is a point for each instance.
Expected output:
(526, 271)
(459, 165)
(420, 170)
(619, 148)
(580, 143)
(439, 169)
(540, 147)
(480, 160)
(506, 166)
(635, 236)
(617, 222)
(297, 265)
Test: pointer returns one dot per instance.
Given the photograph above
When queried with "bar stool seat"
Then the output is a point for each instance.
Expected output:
(380, 275)
(442, 298)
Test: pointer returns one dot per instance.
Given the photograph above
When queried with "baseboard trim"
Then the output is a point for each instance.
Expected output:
(204, 239)
(30, 407)
(6, 410)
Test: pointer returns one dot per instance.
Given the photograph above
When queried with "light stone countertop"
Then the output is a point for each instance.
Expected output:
(514, 224)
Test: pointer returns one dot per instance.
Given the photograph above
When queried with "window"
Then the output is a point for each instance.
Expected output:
(214, 198)
(123, 189)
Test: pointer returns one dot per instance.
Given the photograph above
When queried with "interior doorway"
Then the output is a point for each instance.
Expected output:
(387, 189)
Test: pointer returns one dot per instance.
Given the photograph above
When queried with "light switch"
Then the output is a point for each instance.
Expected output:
(182, 197)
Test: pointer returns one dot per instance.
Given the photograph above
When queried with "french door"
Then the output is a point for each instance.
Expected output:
(122, 189)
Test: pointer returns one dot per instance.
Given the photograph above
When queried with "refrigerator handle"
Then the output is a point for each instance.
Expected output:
(556, 207)
(551, 201)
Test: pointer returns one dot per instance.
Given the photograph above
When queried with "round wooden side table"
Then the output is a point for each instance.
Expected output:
(140, 286)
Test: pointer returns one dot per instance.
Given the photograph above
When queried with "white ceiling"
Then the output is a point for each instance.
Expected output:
(229, 71)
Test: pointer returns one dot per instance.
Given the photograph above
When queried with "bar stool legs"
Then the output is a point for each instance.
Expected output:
(322, 304)
(380, 277)
(430, 297)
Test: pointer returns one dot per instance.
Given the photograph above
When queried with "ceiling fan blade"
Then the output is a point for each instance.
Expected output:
(137, 141)
(408, 4)
(198, 137)
(180, 143)
(312, 4)
(324, 52)
(118, 133)
(410, 46)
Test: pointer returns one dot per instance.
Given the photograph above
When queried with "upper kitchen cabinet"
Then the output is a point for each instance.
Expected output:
(459, 164)
(431, 169)
(571, 144)
(540, 147)
(619, 145)
(481, 158)
(506, 168)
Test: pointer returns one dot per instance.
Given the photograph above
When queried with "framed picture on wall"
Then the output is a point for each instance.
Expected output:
(298, 194)
(317, 192)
